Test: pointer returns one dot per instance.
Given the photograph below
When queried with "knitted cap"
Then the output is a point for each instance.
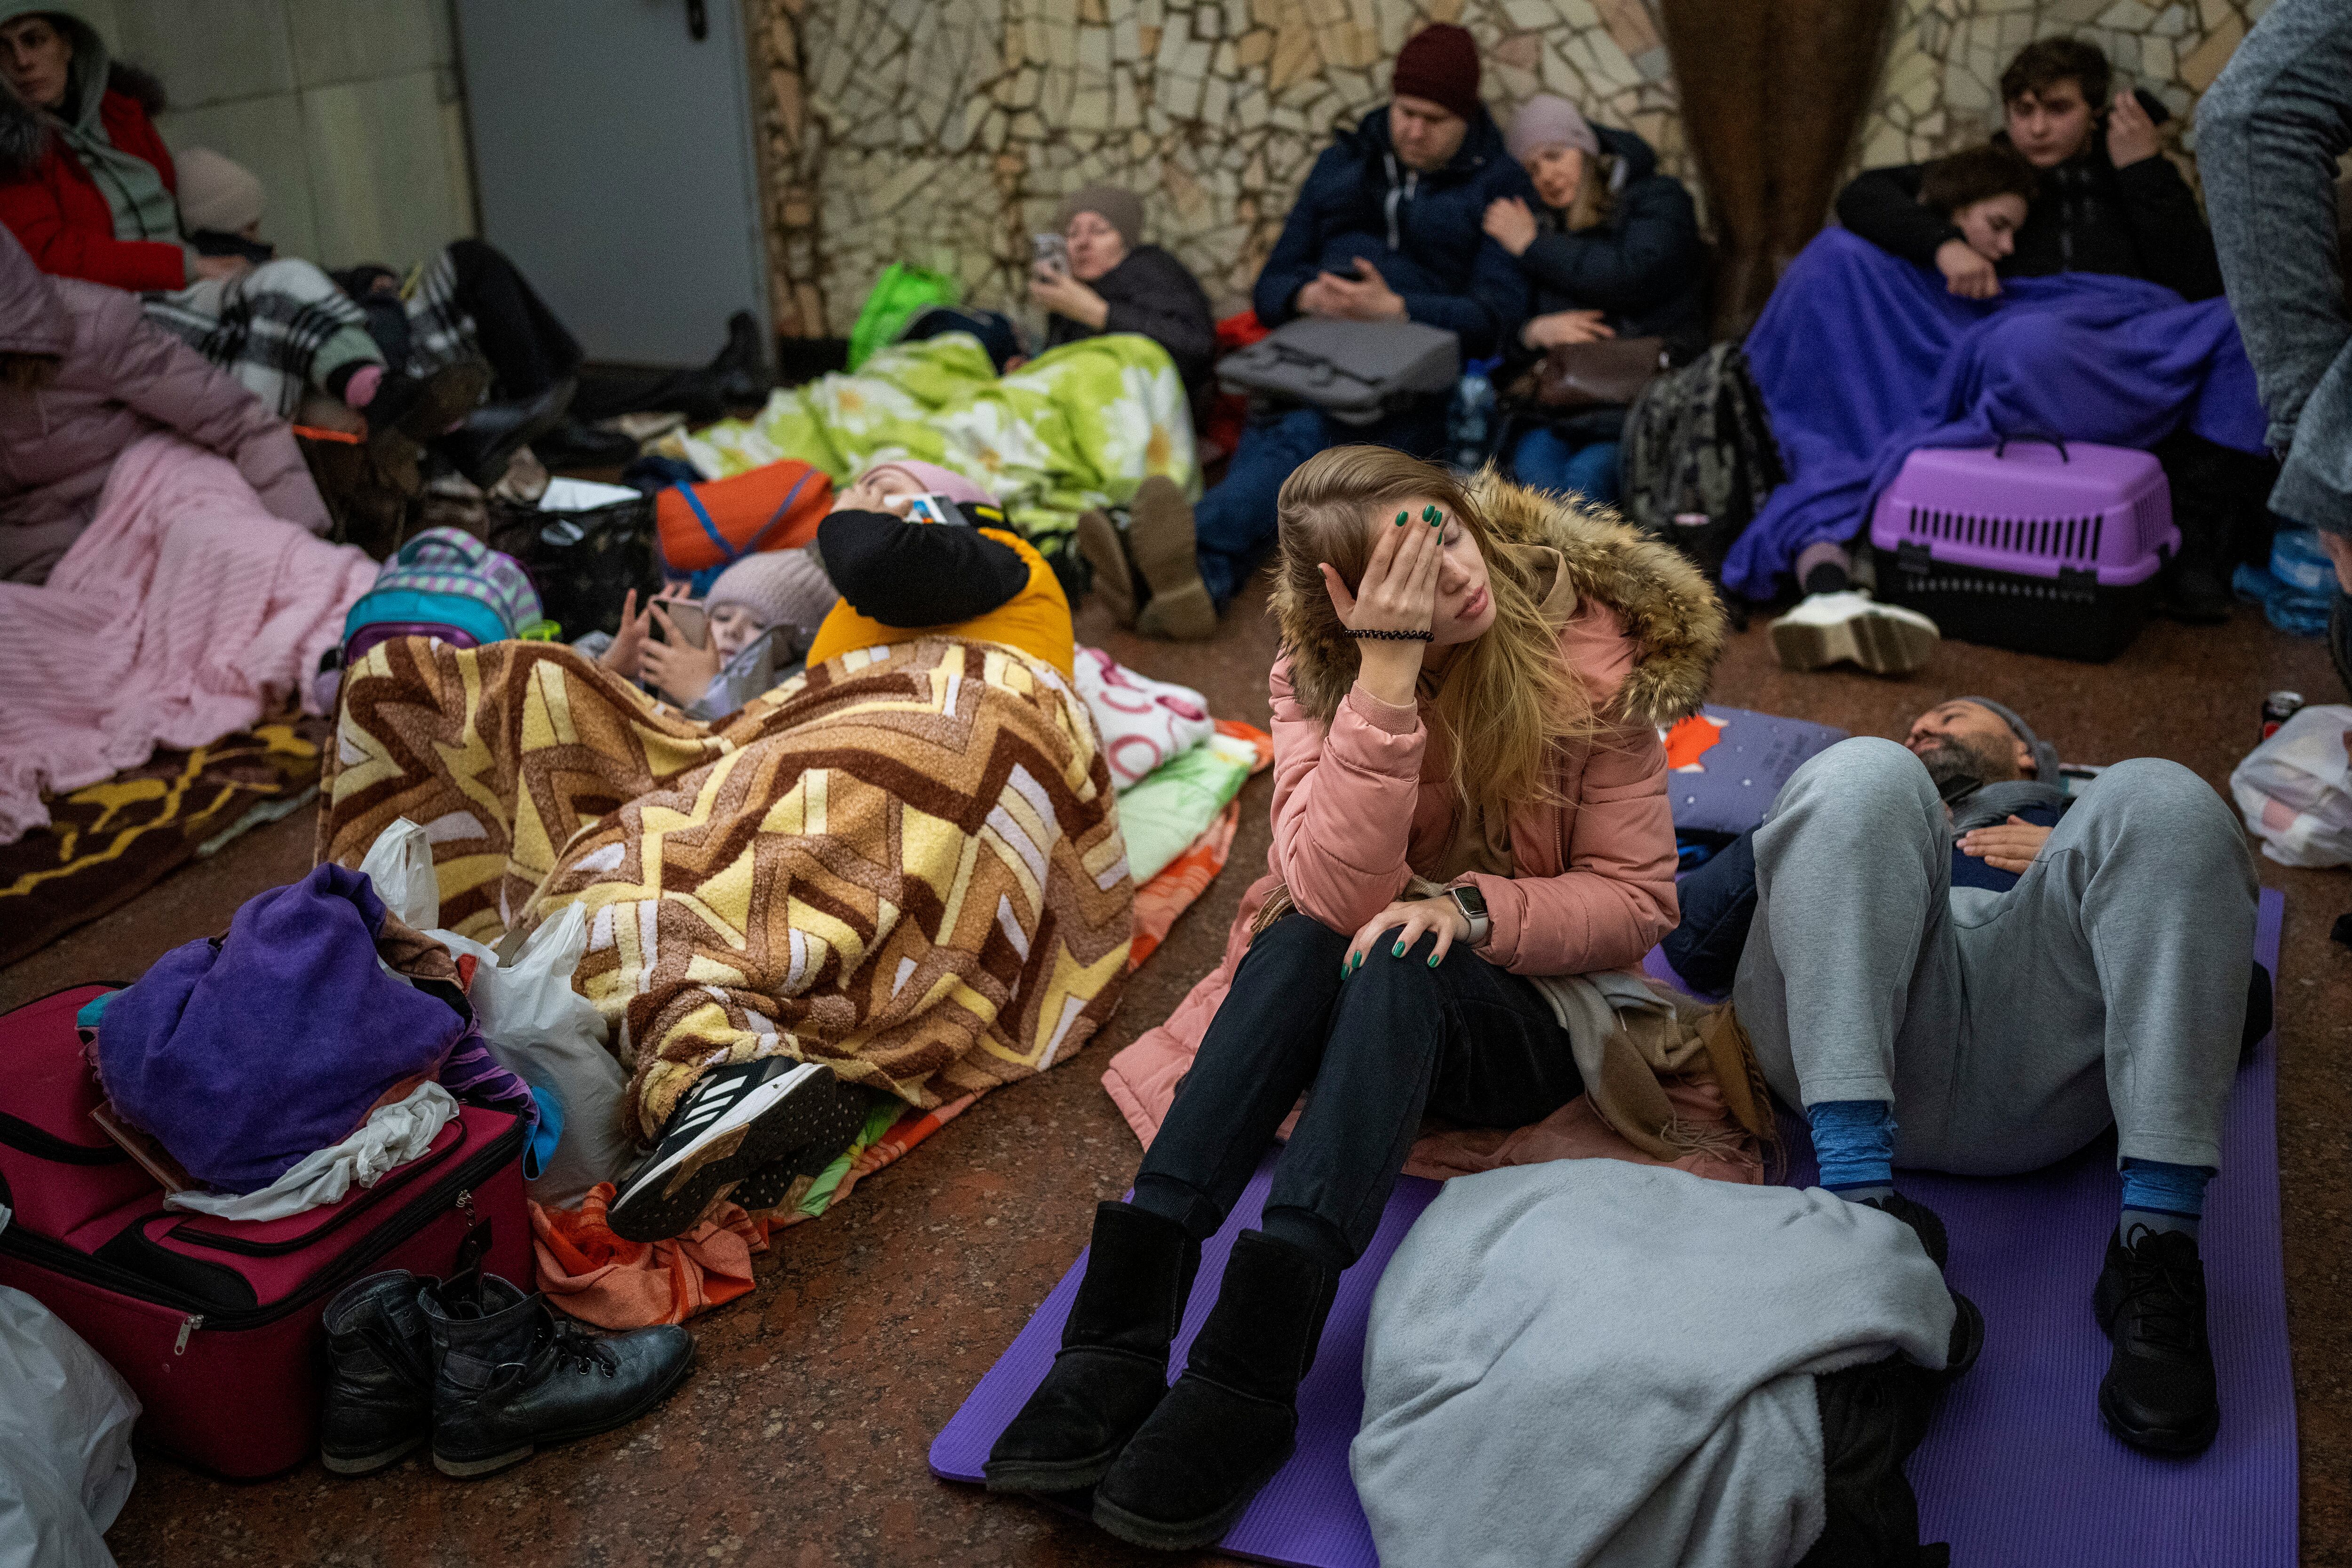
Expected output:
(1121, 209)
(2046, 755)
(217, 192)
(1439, 62)
(937, 480)
(1547, 120)
(779, 587)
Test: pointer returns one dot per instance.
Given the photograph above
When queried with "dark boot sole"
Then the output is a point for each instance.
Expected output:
(673, 1201)
(2158, 1440)
(1159, 537)
(1114, 578)
(1186, 1535)
(473, 1468)
(368, 1464)
(1061, 1475)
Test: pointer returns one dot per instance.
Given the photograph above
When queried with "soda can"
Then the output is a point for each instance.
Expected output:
(2277, 708)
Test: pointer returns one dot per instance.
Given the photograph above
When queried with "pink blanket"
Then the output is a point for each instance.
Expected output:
(185, 611)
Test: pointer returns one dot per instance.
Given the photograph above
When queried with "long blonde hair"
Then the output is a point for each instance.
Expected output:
(1507, 703)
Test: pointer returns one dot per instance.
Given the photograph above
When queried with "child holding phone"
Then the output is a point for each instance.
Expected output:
(717, 653)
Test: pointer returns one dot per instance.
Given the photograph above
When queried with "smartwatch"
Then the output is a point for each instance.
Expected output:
(1472, 905)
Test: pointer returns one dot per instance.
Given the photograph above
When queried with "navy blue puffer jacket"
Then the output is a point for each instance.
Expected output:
(1422, 230)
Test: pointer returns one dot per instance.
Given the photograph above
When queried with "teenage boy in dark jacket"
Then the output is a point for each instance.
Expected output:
(1386, 228)
(2109, 202)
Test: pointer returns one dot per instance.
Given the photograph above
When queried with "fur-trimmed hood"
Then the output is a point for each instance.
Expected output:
(1664, 602)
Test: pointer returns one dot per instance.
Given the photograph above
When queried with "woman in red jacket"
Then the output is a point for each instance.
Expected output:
(89, 187)
(1469, 811)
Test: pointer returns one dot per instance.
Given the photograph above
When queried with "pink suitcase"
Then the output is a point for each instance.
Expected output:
(215, 1324)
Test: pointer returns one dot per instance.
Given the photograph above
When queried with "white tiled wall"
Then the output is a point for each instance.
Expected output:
(348, 111)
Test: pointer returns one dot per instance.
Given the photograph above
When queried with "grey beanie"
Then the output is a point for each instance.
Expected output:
(781, 588)
(1120, 208)
(2045, 756)
(1549, 119)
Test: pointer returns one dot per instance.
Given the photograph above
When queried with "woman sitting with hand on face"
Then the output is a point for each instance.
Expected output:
(1470, 801)
(1614, 252)
(1113, 284)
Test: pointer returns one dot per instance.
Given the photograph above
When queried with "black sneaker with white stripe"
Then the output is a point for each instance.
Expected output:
(773, 1183)
(736, 1119)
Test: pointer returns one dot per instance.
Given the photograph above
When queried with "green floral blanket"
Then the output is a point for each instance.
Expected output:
(1079, 426)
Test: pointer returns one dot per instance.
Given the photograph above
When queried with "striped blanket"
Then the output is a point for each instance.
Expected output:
(905, 862)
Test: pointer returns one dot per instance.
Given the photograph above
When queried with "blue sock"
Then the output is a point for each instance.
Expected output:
(2163, 1197)
(1854, 1140)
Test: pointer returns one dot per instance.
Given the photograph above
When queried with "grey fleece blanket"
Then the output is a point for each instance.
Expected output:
(1590, 1362)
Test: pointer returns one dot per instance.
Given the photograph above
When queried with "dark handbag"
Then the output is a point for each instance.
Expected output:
(584, 563)
(1610, 373)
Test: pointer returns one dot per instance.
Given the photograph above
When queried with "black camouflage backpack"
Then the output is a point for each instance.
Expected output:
(1697, 441)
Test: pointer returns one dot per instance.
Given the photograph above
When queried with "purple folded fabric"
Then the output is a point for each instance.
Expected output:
(1862, 358)
(474, 1076)
(244, 1053)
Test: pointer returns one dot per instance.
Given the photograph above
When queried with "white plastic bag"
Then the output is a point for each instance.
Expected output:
(552, 1037)
(400, 865)
(2295, 788)
(66, 1415)
(538, 1027)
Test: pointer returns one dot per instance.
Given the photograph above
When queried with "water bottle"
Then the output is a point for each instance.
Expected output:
(1470, 423)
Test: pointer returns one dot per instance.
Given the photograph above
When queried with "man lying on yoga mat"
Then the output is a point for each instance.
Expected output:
(1953, 965)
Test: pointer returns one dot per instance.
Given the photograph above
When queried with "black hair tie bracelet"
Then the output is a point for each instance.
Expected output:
(1392, 636)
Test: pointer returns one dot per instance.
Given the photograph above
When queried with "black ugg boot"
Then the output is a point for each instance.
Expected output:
(508, 1377)
(1873, 1417)
(1112, 1368)
(1231, 1420)
(379, 1402)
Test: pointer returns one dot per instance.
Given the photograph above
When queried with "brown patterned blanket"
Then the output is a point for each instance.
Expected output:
(905, 864)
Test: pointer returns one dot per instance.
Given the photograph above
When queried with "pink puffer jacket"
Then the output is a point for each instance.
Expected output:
(1593, 887)
(121, 378)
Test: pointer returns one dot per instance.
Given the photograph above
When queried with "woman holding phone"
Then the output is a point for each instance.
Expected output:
(1470, 798)
(1108, 282)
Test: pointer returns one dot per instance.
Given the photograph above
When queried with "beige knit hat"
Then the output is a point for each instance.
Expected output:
(218, 192)
(779, 587)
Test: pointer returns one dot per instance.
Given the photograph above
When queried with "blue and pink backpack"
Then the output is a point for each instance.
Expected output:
(446, 583)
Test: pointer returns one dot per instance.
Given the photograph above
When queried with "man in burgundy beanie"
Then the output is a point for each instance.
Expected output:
(1387, 227)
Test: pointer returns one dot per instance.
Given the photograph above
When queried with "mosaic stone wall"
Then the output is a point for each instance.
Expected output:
(946, 131)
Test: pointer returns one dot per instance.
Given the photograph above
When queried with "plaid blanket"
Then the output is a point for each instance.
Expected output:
(905, 862)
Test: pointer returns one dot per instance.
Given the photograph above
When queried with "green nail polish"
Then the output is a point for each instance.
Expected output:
(1432, 515)
(1400, 520)
(1433, 960)
(1397, 951)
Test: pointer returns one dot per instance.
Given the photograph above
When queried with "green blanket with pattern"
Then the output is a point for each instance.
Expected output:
(1079, 426)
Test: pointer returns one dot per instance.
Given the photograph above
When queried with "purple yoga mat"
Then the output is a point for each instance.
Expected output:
(2017, 1470)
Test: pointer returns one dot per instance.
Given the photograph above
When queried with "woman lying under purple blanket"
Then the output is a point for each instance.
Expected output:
(1862, 358)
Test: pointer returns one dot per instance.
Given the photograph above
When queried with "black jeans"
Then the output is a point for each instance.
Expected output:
(1466, 1041)
(527, 347)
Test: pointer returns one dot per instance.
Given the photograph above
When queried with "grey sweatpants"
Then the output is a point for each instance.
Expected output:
(2008, 1029)
(2269, 133)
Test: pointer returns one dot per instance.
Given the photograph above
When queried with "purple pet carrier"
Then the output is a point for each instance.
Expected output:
(2053, 549)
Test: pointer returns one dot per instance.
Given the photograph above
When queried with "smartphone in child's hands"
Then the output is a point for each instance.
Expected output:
(689, 619)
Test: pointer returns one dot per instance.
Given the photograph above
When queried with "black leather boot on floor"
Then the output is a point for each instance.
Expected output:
(1112, 1368)
(508, 1375)
(1231, 1420)
(379, 1402)
(2158, 1394)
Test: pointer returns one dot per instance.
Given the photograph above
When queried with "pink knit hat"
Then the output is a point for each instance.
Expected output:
(937, 480)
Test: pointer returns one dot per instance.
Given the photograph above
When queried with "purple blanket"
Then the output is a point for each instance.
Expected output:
(1863, 358)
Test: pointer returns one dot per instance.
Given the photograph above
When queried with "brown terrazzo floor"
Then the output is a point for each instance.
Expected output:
(800, 1440)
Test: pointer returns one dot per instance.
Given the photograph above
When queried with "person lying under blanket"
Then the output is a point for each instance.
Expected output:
(899, 579)
(1951, 964)
(1471, 834)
